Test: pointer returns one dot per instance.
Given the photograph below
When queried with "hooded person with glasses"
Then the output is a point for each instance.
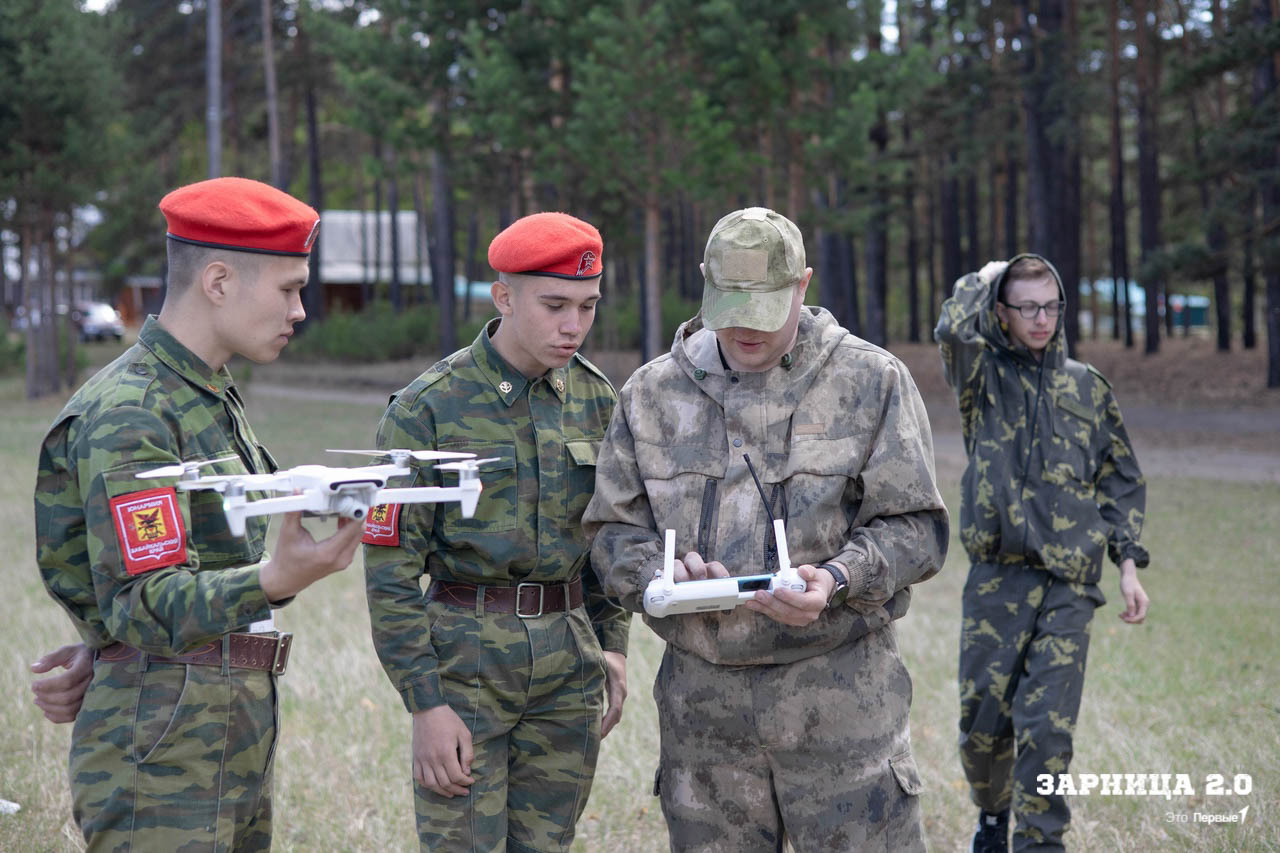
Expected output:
(1052, 486)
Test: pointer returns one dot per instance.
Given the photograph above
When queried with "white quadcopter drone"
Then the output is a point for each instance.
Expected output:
(320, 490)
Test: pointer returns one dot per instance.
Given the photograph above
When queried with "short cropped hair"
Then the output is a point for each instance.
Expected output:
(1024, 269)
(187, 261)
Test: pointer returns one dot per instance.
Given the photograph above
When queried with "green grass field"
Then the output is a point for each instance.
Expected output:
(1193, 691)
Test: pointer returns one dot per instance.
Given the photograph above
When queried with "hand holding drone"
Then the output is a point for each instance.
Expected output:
(321, 490)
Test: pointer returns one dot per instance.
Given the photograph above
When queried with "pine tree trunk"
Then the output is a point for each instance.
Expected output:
(949, 210)
(1148, 176)
(652, 333)
(377, 219)
(1264, 101)
(913, 243)
(313, 294)
(421, 256)
(64, 262)
(1249, 281)
(993, 209)
(848, 263)
(1119, 228)
(31, 304)
(472, 262)
(213, 86)
(1040, 152)
(272, 97)
(972, 261)
(930, 241)
(1012, 242)
(444, 263)
(878, 239)
(393, 218)
(362, 215)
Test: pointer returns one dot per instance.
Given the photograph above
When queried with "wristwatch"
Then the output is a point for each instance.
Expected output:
(841, 590)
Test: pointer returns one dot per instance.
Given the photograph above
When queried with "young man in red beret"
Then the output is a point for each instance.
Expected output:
(172, 747)
(505, 663)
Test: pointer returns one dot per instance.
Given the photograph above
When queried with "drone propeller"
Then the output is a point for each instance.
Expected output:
(420, 455)
(183, 469)
(467, 464)
(255, 482)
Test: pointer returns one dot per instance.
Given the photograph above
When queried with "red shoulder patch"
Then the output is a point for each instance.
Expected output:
(149, 526)
(382, 527)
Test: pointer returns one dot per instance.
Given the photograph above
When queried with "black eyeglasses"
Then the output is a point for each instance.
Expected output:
(1029, 310)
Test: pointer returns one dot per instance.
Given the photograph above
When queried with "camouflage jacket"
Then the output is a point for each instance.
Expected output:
(1052, 481)
(840, 439)
(137, 561)
(545, 434)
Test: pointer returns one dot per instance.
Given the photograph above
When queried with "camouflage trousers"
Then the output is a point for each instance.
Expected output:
(531, 691)
(174, 757)
(1023, 641)
(817, 752)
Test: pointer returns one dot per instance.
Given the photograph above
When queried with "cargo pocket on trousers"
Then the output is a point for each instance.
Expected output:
(906, 773)
(161, 690)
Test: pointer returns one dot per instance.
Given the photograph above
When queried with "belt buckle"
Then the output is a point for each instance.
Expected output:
(542, 593)
(281, 657)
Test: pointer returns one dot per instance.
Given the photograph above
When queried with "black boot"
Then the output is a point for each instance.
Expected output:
(993, 833)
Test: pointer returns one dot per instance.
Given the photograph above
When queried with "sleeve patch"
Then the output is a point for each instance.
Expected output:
(149, 526)
(382, 527)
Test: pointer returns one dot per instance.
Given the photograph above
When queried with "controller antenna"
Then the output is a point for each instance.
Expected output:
(759, 488)
(779, 534)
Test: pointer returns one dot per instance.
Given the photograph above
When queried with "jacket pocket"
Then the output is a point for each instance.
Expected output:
(1067, 460)
(580, 477)
(676, 481)
(820, 476)
(499, 498)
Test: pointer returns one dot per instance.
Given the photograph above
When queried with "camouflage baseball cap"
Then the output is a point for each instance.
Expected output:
(753, 258)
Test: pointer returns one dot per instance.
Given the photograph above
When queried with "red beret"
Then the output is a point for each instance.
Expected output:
(240, 214)
(554, 244)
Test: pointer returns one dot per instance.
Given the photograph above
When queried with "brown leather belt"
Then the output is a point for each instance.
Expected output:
(262, 652)
(526, 600)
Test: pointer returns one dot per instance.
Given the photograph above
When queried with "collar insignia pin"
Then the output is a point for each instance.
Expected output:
(560, 385)
(505, 387)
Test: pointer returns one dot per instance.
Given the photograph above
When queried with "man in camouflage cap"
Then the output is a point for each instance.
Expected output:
(172, 748)
(505, 662)
(787, 717)
(1051, 484)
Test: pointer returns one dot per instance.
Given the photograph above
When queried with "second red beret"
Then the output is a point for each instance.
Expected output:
(554, 244)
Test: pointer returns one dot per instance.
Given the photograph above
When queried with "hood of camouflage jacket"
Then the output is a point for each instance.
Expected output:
(695, 349)
(1055, 354)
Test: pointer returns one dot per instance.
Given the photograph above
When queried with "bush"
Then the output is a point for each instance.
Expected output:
(12, 353)
(626, 320)
(378, 333)
(675, 310)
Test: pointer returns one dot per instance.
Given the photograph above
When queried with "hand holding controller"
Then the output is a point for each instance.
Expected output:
(665, 597)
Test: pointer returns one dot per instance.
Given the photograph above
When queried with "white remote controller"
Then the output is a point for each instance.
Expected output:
(665, 597)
